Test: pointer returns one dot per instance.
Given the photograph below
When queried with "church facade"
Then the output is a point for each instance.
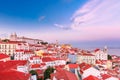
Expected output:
(14, 37)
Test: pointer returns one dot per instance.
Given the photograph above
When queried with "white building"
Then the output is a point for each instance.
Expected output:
(87, 70)
(23, 54)
(9, 47)
(35, 60)
(14, 37)
(101, 54)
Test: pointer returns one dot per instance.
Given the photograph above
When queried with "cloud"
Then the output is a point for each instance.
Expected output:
(97, 12)
(95, 20)
(84, 34)
(41, 18)
(86, 8)
(62, 27)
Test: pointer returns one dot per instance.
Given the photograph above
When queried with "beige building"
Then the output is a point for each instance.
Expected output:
(8, 47)
(15, 42)
(87, 58)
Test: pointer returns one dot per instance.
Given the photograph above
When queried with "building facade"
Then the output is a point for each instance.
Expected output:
(87, 58)
(101, 54)
(14, 37)
(8, 47)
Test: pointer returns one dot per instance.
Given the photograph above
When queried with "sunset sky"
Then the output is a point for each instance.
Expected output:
(88, 22)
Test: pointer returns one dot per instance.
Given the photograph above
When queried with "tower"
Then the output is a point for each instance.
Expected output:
(105, 49)
(13, 37)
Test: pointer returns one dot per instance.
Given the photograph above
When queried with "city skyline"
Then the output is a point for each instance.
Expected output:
(71, 21)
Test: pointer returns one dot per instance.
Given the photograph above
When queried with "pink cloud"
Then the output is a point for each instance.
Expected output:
(97, 12)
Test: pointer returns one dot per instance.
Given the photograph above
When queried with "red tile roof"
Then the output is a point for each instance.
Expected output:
(96, 50)
(2, 56)
(91, 78)
(40, 71)
(73, 65)
(47, 54)
(19, 50)
(43, 64)
(33, 57)
(48, 59)
(98, 62)
(5, 66)
(63, 74)
(87, 54)
(25, 51)
(36, 66)
(14, 75)
(105, 76)
(60, 66)
(84, 66)
(12, 42)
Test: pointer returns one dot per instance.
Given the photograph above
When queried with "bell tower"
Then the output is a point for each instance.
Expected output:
(13, 37)
(105, 49)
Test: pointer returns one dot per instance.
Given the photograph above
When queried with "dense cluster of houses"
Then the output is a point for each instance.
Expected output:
(20, 55)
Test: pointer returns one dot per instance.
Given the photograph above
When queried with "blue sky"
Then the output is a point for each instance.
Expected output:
(91, 22)
(38, 12)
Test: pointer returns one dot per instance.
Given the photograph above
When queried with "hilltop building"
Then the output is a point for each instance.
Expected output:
(14, 37)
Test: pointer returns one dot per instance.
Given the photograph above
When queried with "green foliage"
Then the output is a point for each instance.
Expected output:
(109, 57)
(12, 57)
(47, 72)
(44, 43)
(33, 72)
(5, 40)
(39, 79)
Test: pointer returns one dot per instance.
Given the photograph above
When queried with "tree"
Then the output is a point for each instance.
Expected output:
(109, 57)
(44, 43)
(33, 72)
(12, 57)
(47, 72)
(5, 40)
(39, 79)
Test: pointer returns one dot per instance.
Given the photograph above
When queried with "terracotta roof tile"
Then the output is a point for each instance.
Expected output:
(91, 78)
(14, 75)
(64, 74)
(2, 56)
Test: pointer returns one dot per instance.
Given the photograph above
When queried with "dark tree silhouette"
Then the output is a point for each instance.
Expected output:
(47, 72)
(33, 72)
(109, 57)
(5, 40)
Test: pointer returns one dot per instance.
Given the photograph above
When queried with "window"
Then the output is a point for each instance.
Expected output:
(5, 46)
(5, 51)
(9, 46)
